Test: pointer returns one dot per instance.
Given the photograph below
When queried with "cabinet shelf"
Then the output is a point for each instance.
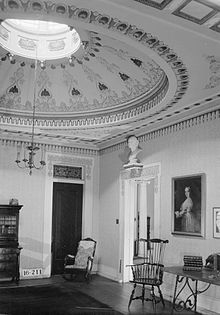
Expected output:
(9, 245)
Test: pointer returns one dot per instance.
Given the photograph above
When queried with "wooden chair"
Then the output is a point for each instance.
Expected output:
(82, 262)
(150, 272)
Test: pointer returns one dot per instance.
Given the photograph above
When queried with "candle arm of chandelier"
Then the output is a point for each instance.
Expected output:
(29, 163)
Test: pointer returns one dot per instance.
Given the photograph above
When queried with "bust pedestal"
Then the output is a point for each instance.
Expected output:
(133, 165)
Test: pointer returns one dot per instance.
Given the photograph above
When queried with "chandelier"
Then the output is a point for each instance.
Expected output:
(30, 151)
(40, 41)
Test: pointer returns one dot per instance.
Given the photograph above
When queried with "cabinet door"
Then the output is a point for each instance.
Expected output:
(8, 228)
(9, 222)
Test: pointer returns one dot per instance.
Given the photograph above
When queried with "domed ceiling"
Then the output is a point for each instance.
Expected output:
(135, 67)
(106, 76)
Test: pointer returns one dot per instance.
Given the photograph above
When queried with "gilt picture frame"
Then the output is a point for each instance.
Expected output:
(216, 222)
(188, 202)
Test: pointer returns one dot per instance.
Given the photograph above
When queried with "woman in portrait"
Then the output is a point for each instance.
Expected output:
(218, 222)
(186, 213)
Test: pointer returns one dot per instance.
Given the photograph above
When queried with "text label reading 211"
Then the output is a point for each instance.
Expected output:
(32, 272)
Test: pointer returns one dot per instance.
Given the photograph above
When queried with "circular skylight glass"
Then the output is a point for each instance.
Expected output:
(38, 27)
(43, 40)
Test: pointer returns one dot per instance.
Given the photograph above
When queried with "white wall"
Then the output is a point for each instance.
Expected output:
(109, 212)
(29, 190)
(188, 151)
(184, 152)
(36, 215)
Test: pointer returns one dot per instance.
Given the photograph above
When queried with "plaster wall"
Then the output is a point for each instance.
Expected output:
(35, 194)
(109, 263)
(29, 190)
(185, 152)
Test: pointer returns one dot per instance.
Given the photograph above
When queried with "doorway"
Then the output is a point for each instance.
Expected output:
(66, 222)
(143, 215)
(148, 195)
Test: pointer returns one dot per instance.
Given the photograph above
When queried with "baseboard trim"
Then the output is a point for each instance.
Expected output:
(107, 272)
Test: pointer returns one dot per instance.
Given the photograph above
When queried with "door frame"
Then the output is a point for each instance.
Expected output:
(87, 208)
(128, 181)
(54, 217)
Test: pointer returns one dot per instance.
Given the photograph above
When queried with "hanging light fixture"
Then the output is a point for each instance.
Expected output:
(31, 149)
(46, 41)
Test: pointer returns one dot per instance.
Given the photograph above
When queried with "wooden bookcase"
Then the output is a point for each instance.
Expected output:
(9, 245)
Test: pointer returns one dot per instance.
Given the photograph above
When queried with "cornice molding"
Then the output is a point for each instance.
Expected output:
(55, 148)
(160, 132)
(172, 128)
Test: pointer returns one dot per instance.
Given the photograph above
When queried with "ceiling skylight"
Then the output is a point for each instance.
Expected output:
(43, 40)
(38, 27)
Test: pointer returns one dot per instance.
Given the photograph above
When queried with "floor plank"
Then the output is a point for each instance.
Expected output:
(112, 293)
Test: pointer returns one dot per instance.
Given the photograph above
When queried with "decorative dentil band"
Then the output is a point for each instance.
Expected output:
(172, 128)
(51, 147)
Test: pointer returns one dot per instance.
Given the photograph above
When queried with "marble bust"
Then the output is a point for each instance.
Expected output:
(133, 145)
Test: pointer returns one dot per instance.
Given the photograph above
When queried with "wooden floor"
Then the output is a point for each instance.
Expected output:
(107, 291)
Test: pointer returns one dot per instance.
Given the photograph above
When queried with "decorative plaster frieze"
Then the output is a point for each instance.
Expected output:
(143, 106)
(214, 67)
(74, 14)
(188, 123)
(134, 172)
(145, 173)
(185, 124)
(87, 164)
(51, 147)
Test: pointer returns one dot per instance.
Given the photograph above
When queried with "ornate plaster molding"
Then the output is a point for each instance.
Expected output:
(173, 128)
(87, 164)
(73, 14)
(120, 116)
(55, 148)
(214, 68)
(145, 173)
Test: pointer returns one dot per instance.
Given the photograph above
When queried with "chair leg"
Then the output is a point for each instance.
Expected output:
(132, 295)
(143, 293)
(69, 276)
(153, 298)
(161, 296)
(87, 277)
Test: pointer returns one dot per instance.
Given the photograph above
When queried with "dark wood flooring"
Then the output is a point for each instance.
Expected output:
(109, 292)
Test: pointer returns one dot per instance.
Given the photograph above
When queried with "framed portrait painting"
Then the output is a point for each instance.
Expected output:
(188, 202)
(216, 222)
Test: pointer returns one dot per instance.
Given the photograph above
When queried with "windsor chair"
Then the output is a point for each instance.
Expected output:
(150, 272)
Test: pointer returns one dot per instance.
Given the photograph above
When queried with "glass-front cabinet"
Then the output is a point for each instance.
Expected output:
(9, 245)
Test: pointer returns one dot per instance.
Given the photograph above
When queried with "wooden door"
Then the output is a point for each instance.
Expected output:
(67, 222)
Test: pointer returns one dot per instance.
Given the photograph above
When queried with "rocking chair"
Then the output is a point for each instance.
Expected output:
(82, 262)
(150, 272)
